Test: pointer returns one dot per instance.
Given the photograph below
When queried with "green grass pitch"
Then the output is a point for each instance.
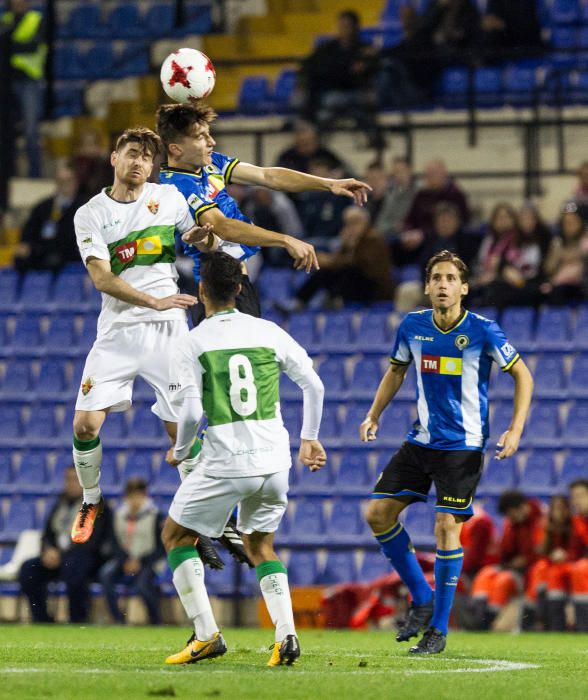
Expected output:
(118, 663)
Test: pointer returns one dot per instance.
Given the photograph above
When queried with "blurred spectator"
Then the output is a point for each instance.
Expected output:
(450, 26)
(305, 148)
(28, 53)
(48, 239)
(320, 212)
(437, 187)
(61, 560)
(547, 577)
(92, 163)
(479, 542)
(397, 200)
(533, 227)
(358, 272)
(496, 585)
(565, 265)
(500, 237)
(137, 547)
(338, 76)
(377, 178)
(579, 552)
(511, 25)
(272, 210)
(580, 195)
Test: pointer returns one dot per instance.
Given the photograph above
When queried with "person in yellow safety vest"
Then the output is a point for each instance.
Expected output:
(27, 59)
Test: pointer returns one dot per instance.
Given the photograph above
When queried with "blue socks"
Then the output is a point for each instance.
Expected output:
(447, 570)
(398, 548)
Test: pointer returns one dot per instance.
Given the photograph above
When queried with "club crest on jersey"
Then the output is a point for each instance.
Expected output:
(153, 206)
(87, 385)
(431, 364)
(507, 350)
(461, 342)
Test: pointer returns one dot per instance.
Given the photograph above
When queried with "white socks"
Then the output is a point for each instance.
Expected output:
(276, 593)
(87, 463)
(189, 582)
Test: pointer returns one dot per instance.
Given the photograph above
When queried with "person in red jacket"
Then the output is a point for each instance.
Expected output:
(479, 541)
(579, 553)
(495, 585)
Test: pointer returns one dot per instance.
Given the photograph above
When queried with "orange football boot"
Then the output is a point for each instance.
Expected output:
(83, 525)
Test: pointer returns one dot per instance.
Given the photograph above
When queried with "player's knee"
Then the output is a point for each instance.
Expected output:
(446, 526)
(85, 428)
(378, 516)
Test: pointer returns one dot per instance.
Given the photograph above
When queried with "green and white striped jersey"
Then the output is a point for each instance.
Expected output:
(138, 239)
(232, 362)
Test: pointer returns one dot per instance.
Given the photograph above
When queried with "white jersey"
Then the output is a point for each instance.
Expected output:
(232, 363)
(138, 239)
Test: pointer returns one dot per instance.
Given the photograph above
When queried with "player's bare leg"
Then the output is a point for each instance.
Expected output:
(206, 641)
(273, 581)
(87, 457)
(382, 516)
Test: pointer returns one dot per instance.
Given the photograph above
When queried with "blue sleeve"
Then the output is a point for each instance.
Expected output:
(498, 348)
(193, 194)
(225, 164)
(401, 353)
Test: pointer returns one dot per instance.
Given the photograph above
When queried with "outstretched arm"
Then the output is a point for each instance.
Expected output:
(510, 439)
(287, 180)
(389, 386)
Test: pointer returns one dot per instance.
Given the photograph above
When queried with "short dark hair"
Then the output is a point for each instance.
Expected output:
(352, 16)
(135, 484)
(448, 256)
(510, 499)
(174, 121)
(579, 482)
(446, 208)
(148, 140)
(221, 276)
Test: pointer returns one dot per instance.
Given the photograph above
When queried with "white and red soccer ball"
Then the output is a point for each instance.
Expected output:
(187, 73)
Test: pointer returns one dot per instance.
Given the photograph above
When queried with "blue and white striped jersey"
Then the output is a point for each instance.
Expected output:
(453, 372)
(206, 190)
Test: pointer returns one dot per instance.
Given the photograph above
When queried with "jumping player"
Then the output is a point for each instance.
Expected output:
(453, 351)
(229, 368)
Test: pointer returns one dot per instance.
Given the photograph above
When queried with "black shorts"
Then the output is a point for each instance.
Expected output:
(413, 469)
(247, 302)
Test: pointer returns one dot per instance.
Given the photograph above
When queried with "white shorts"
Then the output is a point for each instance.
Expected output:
(204, 504)
(124, 352)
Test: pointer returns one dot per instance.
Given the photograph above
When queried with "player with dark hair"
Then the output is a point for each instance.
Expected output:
(229, 367)
(453, 350)
(202, 174)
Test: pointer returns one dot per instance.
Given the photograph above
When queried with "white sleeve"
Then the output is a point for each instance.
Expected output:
(186, 371)
(296, 363)
(190, 415)
(88, 236)
(184, 217)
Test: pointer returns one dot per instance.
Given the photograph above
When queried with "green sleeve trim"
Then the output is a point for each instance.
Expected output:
(195, 449)
(85, 445)
(267, 568)
(178, 555)
(229, 173)
(202, 209)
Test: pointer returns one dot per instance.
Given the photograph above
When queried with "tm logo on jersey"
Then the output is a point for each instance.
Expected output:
(440, 365)
(143, 246)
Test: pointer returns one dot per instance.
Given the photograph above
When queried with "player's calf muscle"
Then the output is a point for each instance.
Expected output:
(87, 424)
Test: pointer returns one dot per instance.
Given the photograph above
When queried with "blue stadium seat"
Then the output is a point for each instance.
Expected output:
(147, 429)
(115, 428)
(339, 568)
(133, 60)
(408, 387)
(139, 463)
(17, 383)
(6, 474)
(564, 38)
(365, 379)
(308, 523)
(255, 95)
(275, 284)
(68, 99)
(488, 87)
(394, 424)
(332, 373)
(27, 340)
(198, 20)
(292, 417)
(574, 467)
(373, 335)
(350, 428)
(68, 63)
(142, 391)
(553, 329)
(303, 568)
(65, 426)
(61, 338)
(11, 424)
(580, 335)
(498, 476)
(283, 90)
(302, 328)
(42, 423)
(337, 335)
(543, 429)
(21, 515)
(125, 22)
(159, 20)
(70, 293)
(520, 86)
(84, 22)
(353, 475)
(454, 88)
(318, 483)
(36, 290)
(538, 477)
(577, 89)
(420, 523)
(346, 523)
(565, 12)
(501, 384)
(52, 383)
(99, 61)
(549, 376)
(574, 433)
(289, 389)
(166, 481)
(109, 473)
(8, 289)
(517, 323)
(373, 566)
(330, 421)
(578, 380)
(32, 475)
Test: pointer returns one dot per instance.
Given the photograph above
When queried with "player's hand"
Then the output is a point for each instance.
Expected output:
(303, 253)
(312, 454)
(175, 301)
(197, 234)
(170, 459)
(354, 189)
(368, 429)
(508, 444)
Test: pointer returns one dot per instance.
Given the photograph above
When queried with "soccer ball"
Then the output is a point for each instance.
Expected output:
(187, 73)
